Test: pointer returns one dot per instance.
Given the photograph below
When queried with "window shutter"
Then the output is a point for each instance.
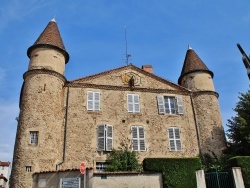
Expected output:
(161, 106)
(109, 137)
(174, 139)
(142, 139)
(90, 103)
(179, 105)
(130, 102)
(171, 139)
(101, 138)
(177, 139)
(97, 101)
(135, 139)
(136, 103)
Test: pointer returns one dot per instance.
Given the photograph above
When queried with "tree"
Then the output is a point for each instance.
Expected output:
(123, 160)
(239, 127)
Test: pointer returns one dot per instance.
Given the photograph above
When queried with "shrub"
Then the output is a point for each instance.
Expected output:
(177, 172)
(244, 163)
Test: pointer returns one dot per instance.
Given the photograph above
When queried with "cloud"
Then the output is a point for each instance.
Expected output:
(14, 10)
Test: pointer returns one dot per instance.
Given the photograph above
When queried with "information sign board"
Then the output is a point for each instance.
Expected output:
(70, 182)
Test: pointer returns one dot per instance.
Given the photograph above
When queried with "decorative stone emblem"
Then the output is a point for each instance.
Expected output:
(126, 77)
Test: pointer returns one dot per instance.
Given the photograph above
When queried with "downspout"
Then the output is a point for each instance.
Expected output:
(65, 131)
(196, 124)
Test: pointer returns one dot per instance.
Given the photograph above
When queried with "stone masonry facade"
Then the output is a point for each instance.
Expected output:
(63, 123)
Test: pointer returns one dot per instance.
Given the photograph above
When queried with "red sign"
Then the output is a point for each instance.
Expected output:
(82, 168)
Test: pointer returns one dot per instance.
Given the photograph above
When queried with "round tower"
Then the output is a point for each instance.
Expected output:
(39, 139)
(199, 80)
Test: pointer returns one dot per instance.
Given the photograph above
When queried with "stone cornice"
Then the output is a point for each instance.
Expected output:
(44, 71)
(197, 93)
(123, 88)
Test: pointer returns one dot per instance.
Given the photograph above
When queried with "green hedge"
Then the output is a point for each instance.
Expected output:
(244, 163)
(177, 172)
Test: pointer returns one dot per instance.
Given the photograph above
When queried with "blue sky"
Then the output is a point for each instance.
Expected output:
(158, 33)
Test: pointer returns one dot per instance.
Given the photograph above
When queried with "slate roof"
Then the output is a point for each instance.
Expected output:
(193, 63)
(50, 37)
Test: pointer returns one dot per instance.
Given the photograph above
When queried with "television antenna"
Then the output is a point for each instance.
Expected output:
(128, 56)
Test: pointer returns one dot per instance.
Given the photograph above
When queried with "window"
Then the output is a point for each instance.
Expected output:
(170, 105)
(28, 168)
(174, 139)
(105, 138)
(133, 101)
(93, 103)
(138, 138)
(33, 137)
(100, 166)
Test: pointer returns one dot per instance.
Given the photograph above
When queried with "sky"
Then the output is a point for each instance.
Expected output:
(93, 31)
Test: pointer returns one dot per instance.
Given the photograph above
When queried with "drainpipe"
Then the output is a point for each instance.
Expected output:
(65, 131)
(196, 125)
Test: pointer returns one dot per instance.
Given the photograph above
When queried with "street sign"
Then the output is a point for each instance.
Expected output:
(82, 168)
(70, 182)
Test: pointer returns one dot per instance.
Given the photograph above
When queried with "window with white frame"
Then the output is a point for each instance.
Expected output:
(93, 99)
(105, 137)
(174, 137)
(34, 137)
(138, 138)
(133, 101)
(170, 105)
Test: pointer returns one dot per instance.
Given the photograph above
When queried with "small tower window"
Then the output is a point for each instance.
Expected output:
(34, 137)
(28, 168)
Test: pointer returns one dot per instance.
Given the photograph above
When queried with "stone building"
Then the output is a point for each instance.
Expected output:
(4, 174)
(63, 123)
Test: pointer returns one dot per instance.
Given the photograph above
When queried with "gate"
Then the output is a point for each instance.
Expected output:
(219, 180)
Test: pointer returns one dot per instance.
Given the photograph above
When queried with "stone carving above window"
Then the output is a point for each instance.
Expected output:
(126, 77)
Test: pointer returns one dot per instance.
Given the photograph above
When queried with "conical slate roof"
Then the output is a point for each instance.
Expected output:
(193, 63)
(51, 38)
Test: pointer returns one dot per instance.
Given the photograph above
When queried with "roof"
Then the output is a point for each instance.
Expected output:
(193, 63)
(50, 37)
(2, 177)
(4, 163)
(61, 170)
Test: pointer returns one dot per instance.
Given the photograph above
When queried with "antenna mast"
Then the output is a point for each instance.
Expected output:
(128, 56)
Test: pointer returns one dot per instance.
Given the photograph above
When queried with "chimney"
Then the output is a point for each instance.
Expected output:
(147, 68)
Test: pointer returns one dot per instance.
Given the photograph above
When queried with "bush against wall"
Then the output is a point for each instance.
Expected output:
(122, 160)
(244, 163)
(177, 172)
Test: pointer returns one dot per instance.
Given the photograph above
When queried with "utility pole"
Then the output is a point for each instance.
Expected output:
(245, 59)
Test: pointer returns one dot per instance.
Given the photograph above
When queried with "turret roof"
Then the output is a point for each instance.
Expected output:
(193, 63)
(50, 37)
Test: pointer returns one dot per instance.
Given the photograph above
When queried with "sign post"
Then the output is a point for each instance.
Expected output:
(83, 171)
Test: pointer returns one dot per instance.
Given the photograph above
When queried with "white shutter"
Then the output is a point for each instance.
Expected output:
(161, 106)
(135, 144)
(97, 101)
(174, 139)
(179, 105)
(136, 103)
(142, 146)
(109, 137)
(130, 102)
(101, 138)
(90, 99)
(177, 139)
